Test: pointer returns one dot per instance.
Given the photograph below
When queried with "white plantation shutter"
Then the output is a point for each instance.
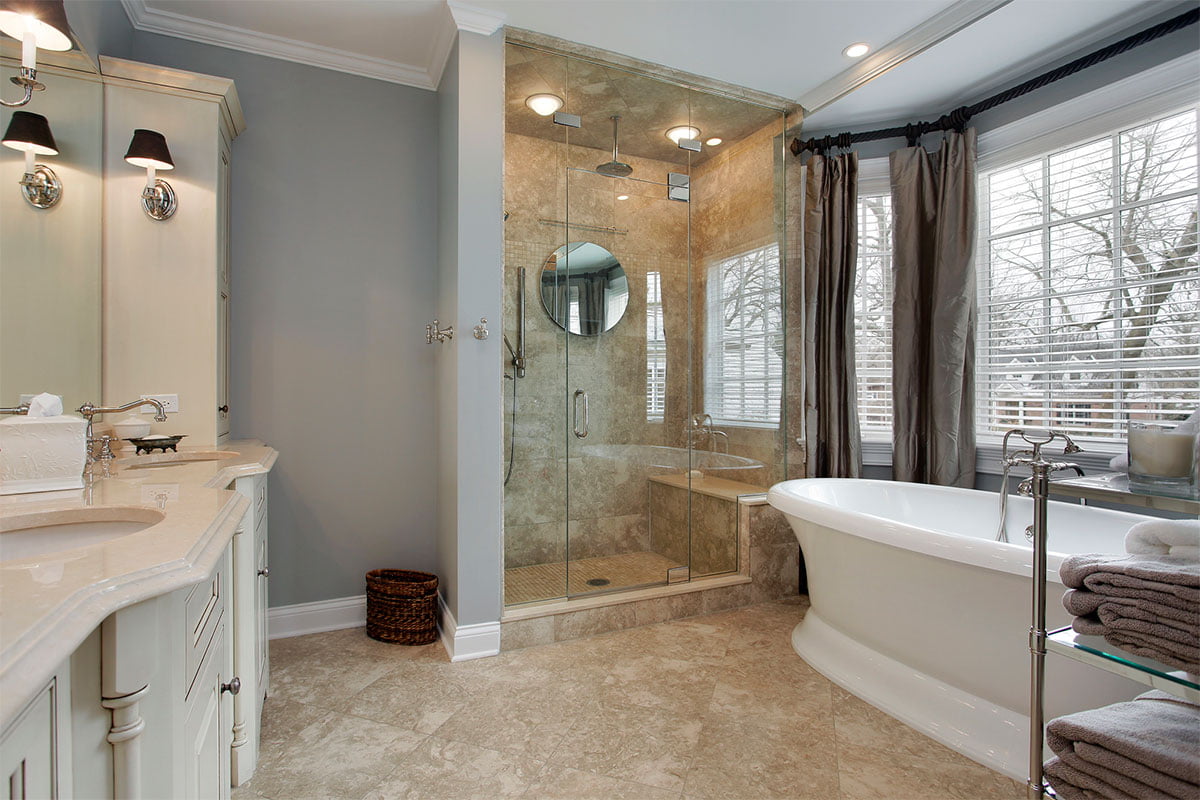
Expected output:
(743, 376)
(1089, 290)
(873, 316)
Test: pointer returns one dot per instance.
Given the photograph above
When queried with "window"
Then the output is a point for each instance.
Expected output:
(656, 350)
(873, 316)
(743, 376)
(1089, 290)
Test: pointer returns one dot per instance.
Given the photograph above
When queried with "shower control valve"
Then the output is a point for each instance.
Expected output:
(440, 335)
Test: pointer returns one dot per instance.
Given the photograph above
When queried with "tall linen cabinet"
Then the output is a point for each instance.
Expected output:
(167, 283)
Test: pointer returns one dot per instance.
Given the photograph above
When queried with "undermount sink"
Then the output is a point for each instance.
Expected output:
(39, 533)
(173, 459)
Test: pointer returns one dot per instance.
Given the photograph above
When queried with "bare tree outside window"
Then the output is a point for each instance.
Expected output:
(1090, 290)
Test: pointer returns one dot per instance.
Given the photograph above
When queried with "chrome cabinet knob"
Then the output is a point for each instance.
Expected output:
(265, 571)
(223, 409)
(233, 687)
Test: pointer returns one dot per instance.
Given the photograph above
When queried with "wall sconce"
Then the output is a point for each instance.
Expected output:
(30, 133)
(149, 149)
(35, 23)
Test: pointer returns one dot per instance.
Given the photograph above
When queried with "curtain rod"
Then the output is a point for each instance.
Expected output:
(957, 119)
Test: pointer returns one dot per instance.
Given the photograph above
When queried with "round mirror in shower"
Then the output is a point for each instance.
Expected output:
(584, 288)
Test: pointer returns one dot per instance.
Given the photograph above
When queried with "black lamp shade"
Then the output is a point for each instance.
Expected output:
(149, 149)
(52, 30)
(29, 131)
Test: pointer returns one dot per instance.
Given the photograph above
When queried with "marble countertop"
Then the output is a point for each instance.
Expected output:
(50, 603)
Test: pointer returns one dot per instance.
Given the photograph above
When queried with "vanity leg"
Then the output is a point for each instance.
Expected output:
(124, 736)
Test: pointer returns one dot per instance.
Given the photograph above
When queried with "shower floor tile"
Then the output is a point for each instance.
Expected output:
(547, 581)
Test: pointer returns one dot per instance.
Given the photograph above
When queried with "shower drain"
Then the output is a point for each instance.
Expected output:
(599, 582)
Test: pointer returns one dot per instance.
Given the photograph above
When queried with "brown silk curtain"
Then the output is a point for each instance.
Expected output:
(833, 446)
(933, 322)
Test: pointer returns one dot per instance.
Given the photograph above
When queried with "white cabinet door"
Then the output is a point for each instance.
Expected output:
(208, 727)
(28, 759)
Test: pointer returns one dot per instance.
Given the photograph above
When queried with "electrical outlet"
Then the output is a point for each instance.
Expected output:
(170, 403)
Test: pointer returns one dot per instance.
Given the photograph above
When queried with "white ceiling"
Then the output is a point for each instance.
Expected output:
(930, 55)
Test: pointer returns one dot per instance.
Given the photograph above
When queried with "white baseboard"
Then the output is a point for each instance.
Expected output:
(467, 642)
(323, 615)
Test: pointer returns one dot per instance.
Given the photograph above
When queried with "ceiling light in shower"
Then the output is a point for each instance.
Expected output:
(544, 104)
(683, 132)
(857, 50)
(622, 197)
(714, 141)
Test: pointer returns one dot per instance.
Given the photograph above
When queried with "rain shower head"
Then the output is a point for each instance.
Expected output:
(615, 168)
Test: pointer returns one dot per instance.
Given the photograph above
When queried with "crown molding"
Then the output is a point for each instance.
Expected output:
(473, 19)
(937, 28)
(167, 23)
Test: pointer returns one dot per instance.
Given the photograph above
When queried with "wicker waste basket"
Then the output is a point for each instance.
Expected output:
(402, 606)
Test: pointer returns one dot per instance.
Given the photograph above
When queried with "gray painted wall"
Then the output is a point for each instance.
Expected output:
(469, 287)
(101, 26)
(334, 257)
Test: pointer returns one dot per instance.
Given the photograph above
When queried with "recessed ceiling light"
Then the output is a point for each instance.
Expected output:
(544, 104)
(622, 197)
(683, 132)
(857, 50)
(713, 142)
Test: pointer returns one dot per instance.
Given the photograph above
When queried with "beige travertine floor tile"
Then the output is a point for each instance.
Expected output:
(282, 719)
(337, 756)
(564, 783)
(739, 760)
(411, 697)
(326, 677)
(531, 722)
(638, 744)
(671, 684)
(439, 769)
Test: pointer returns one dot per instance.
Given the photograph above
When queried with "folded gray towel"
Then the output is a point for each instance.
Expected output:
(1082, 602)
(1154, 740)
(1120, 618)
(1071, 784)
(1180, 656)
(1167, 580)
(1089, 625)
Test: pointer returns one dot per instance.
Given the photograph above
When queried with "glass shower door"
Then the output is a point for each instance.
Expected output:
(619, 287)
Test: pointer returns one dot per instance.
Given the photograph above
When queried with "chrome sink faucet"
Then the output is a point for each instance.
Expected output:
(89, 410)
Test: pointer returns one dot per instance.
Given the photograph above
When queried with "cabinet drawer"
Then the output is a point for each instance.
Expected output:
(28, 751)
(203, 610)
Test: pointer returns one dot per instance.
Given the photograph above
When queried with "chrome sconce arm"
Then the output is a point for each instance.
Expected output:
(27, 79)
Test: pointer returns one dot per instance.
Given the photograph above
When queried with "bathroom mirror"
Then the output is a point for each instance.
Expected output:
(584, 288)
(50, 294)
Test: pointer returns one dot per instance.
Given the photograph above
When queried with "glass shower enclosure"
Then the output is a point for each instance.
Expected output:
(643, 326)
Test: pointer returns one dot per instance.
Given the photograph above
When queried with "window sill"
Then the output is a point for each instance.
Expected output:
(878, 453)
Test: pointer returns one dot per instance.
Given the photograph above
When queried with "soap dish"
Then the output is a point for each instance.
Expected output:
(148, 444)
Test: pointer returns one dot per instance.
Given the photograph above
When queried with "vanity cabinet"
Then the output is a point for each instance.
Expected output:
(32, 763)
(167, 283)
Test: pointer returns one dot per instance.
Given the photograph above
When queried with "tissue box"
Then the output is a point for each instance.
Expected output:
(42, 454)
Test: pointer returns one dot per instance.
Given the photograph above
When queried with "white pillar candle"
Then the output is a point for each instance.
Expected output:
(1161, 453)
(29, 47)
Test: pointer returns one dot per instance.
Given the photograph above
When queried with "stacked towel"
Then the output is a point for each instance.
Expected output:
(1146, 604)
(1165, 537)
(1146, 749)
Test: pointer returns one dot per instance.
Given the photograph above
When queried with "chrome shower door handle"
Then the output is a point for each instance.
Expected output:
(580, 434)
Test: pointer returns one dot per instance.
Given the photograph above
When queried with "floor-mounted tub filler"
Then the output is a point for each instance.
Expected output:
(917, 610)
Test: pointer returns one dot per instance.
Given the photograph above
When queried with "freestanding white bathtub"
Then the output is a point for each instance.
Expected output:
(919, 612)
